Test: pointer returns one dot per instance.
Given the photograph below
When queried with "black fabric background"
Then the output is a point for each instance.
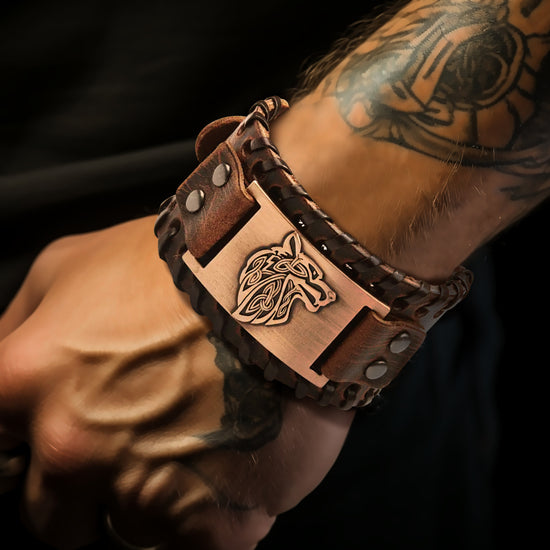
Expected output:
(99, 106)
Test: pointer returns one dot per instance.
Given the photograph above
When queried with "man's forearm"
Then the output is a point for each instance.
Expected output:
(431, 136)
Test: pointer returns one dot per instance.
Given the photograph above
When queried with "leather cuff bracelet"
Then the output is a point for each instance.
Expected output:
(280, 282)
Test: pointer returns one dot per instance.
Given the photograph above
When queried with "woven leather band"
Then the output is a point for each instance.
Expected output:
(214, 203)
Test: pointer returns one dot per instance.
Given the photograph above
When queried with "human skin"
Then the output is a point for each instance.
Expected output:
(133, 405)
(127, 402)
(461, 83)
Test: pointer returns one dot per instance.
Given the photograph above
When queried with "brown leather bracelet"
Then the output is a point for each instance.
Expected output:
(280, 282)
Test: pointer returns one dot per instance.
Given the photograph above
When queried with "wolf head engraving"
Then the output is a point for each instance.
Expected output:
(274, 278)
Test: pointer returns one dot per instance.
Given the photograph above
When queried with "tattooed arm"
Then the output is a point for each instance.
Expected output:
(423, 139)
(433, 129)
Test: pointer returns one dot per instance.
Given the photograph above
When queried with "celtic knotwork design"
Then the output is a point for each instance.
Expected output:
(274, 278)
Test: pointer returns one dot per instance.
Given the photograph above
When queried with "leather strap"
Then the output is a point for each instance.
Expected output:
(215, 202)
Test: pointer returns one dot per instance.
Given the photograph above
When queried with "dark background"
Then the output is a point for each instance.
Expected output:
(99, 105)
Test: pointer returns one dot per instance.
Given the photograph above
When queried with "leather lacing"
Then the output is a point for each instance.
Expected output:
(406, 295)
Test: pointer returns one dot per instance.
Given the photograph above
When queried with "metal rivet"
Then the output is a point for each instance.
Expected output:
(400, 343)
(376, 370)
(220, 176)
(194, 200)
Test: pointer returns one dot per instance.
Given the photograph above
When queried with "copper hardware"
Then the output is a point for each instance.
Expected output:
(311, 326)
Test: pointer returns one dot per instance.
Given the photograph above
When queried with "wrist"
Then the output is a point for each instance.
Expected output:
(419, 214)
(371, 189)
(378, 316)
(428, 136)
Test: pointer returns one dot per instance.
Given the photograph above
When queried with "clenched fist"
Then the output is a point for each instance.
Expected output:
(135, 414)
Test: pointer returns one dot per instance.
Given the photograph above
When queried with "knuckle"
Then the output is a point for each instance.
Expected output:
(159, 489)
(127, 484)
(63, 448)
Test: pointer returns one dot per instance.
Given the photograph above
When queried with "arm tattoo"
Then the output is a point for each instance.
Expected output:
(253, 406)
(466, 82)
(252, 418)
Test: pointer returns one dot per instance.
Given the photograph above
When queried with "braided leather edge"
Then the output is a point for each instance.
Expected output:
(407, 296)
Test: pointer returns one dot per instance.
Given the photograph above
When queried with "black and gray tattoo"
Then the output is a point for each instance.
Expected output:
(253, 406)
(253, 416)
(467, 82)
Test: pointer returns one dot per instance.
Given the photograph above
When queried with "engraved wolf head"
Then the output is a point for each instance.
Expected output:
(274, 278)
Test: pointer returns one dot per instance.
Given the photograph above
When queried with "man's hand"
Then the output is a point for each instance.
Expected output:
(132, 408)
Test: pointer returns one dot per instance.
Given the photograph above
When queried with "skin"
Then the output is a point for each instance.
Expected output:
(454, 127)
(118, 387)
(139, 406)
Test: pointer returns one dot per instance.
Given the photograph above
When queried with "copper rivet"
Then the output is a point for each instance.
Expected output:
(194, 201)
(220, 176)
(400, 343)
(376, 370)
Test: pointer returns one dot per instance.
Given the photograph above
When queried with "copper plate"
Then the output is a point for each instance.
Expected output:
(282, 290)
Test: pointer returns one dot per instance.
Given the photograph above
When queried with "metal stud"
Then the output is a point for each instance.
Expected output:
(400, 343)
(194, 201)
(220, 176)
(376, 370)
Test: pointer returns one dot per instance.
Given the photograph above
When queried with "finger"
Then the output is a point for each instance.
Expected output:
(62, 512)
(171, 507)
(139, 514)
